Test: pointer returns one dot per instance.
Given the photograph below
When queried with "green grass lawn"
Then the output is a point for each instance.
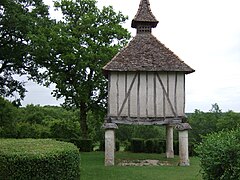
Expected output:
(92, 168)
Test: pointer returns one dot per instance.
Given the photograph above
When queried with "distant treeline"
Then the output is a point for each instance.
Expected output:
(34, 121)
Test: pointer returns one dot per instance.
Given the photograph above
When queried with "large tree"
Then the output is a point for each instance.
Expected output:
(20, 21)
(85, 40)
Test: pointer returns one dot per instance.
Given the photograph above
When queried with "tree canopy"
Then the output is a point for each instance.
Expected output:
(69, 53)
(20, 20)
(81, 44)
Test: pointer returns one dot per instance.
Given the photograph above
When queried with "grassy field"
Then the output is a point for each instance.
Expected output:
(92, 168)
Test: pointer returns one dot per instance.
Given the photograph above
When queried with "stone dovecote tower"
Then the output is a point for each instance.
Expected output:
(146, 85)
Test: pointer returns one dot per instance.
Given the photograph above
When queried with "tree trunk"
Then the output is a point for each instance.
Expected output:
(83, 120)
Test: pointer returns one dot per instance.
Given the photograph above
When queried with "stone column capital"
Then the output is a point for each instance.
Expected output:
(183, 127)
(170, 125)
(109, 126)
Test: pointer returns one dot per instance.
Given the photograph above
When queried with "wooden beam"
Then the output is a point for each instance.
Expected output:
(146, 121)
(109, 86)
(175, 92)
(138, 96)
(117, 85)
(147, 94)
(155, 94)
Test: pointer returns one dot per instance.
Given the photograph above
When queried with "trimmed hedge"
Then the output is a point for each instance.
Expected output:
(148, 146)
(137, 145)
(161, 146)
(38, 159)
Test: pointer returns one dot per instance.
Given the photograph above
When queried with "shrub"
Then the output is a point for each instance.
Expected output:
(102, 145)
(137, 145)
(191, 149)
(38, 159)
(220, 155)
(150, 146)
(176, 147)
(160, 146)
(127, 145)
(8, 118)
(117, 145)
(65, 129)
(84, 145)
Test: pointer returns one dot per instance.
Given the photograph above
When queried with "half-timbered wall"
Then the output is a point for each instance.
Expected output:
(146, 94)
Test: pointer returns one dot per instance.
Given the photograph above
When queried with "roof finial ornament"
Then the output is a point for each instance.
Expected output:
(144, 20)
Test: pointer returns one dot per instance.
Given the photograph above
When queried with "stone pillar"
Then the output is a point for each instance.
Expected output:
(110, 143)
(169, 141)
(183, 143)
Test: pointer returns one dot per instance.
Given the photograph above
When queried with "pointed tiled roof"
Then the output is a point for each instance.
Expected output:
(144, 14)
(146, 53)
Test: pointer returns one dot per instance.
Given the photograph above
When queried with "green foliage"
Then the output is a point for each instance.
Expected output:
(8, 118)
(148, 132)
(80, 46)
(28, 130)
(20, 20)
(7, 113)
(202, 124)
(117, 145)
(160, 146)
(149, 146)
(154, 146)
(38, 122)
(69, 53)
(102, 145)
(38, 159)
(229, 120)
(126, 132)
(220, 155)
(36, 114)
(137, 145)
(84, 145)
(95, 121)
(176, 147)
(65, 129)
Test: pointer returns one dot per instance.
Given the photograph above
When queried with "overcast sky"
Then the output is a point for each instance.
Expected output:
(205, 34)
